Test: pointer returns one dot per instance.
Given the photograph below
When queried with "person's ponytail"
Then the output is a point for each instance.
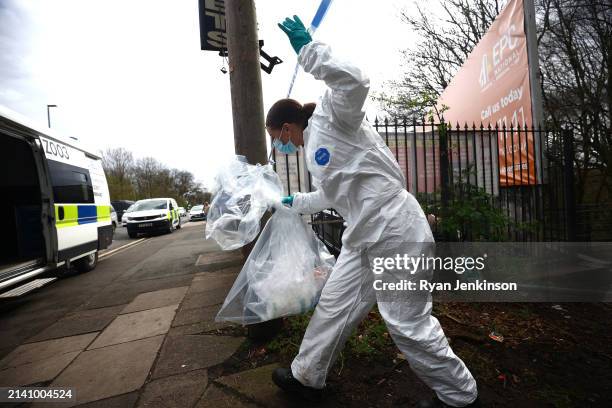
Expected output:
(307, 110)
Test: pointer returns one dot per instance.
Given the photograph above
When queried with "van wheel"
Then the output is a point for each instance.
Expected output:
(87, 263)
(170, 227)
(178, 226)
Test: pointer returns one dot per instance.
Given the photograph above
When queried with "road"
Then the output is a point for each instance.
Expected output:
(127, 268)
(121, 238)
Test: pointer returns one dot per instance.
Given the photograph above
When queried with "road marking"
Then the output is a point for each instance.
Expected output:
(126, 246)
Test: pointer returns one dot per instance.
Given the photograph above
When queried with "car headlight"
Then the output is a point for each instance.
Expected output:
(124, 218)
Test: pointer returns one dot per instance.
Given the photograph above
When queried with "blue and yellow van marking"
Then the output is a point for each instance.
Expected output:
(79, 214)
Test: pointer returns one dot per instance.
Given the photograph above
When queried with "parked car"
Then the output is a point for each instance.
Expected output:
(182, 212)
(120, 206)
(154, 214)
(197, 213)
(129, 209)
(114, 218)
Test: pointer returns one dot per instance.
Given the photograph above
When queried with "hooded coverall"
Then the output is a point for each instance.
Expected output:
(356, 174)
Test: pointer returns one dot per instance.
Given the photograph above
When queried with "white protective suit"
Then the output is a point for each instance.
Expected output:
(356, 174)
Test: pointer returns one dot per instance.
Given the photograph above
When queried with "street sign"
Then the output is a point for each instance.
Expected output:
(212, 25)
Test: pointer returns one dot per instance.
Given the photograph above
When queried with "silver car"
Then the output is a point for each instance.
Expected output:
(114, 218)
(123, 219)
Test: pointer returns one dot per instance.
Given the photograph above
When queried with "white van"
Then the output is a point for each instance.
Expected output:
(153, 214)
(55, 202)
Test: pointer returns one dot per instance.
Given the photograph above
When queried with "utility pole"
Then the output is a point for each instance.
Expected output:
(247, 107)
(245, 80)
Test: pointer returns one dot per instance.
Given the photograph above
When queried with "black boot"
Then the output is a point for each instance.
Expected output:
(436, 403)
(284, 379)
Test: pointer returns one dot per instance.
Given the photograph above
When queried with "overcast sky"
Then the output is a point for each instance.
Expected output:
(130, 73)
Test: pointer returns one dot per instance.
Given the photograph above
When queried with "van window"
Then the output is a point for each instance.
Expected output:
(71, 184)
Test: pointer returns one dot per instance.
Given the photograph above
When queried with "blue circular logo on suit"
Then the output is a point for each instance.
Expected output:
(322, 156)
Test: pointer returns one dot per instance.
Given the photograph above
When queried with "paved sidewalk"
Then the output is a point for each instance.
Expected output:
(159, 348)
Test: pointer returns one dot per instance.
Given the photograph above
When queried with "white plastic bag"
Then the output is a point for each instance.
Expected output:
(242, 194)
(284, 274)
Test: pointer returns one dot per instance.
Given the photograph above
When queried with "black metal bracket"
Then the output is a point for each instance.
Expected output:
(272, 61)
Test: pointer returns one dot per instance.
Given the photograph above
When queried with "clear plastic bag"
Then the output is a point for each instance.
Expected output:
(283, 275)
(242, 194)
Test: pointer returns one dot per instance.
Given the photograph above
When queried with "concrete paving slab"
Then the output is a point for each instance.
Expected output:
(213, 282)
(200, 328)
(121, 293)
(234, 270)
(195, 315)
(153, 300)
(215, 397)
(31, 312)
(257, 385)
(202, 299)
(196, 328)
(85, 321)
(135, 326)
(13, 332)
(181, 354)
(223, 272)
(4, 351)
(216, 256)
(177, 391)
(36, 372)
(120, 401)
(110, 371)
(215, 261)
(171, 260)
(33, 352)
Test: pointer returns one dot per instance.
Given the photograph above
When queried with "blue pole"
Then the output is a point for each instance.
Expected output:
(316, 22)
(320, 14)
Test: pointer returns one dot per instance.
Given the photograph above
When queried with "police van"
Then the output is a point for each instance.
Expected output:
(151, 215)
(55, 203)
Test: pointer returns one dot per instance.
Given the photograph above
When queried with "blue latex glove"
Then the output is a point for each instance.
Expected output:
(297, 33)
(287, 200)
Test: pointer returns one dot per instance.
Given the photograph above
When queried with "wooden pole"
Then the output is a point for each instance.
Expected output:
(245, 80)
(247, 108)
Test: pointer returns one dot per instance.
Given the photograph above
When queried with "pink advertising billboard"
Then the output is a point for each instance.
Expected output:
(492, 87)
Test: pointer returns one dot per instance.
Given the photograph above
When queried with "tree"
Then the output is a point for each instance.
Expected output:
(119, 166)
(183, 183)
(575, 46)
(575, 54)
(146, 177)
(444, 43)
